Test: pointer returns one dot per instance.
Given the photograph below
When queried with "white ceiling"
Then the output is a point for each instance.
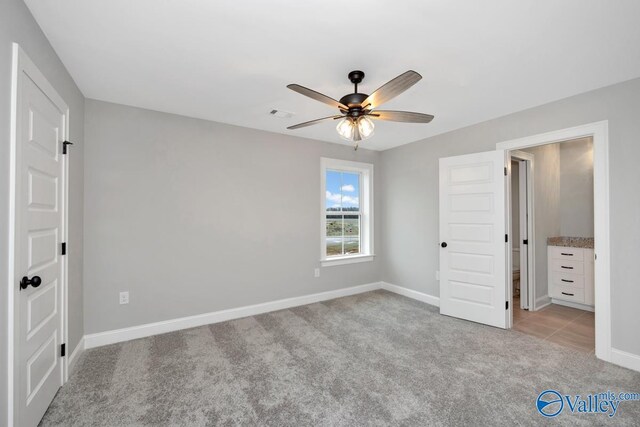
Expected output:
(229, 61)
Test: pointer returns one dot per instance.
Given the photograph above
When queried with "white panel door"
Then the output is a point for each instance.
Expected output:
(39, 228)
(472, 236)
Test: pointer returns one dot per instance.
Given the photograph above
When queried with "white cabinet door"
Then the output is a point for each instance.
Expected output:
(472, 235)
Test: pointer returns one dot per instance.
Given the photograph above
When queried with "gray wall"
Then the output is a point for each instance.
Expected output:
(410, 190)
(17, 25)
(546, 196)
(192, 216)
(576, 188)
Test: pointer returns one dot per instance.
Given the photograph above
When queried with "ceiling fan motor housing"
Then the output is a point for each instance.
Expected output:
(354, 100)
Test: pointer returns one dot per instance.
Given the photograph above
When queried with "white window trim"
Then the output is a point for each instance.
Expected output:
(366, 211)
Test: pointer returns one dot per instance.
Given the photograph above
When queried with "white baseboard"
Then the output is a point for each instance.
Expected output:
(573, 304)
(75, 356)
(627, 360)
(542, 302)
(149, 329)
(618, 357)
(420, 296)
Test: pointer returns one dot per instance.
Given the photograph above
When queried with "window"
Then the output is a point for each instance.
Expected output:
(347, 212)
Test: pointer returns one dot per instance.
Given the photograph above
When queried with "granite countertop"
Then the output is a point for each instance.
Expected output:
(571, 242)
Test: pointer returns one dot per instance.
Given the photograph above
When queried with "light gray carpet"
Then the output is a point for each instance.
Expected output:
(370, 359)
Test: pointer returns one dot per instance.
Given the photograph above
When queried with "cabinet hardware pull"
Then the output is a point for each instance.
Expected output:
(568, 281)
(562, 253)
(566, 293)
(568, 268)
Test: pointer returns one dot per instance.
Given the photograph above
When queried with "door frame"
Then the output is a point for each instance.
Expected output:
(526, 211)
(23, 67)
(599, 132)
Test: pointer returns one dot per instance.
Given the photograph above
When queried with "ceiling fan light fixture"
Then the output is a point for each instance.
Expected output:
(366, 126)
(346, 129)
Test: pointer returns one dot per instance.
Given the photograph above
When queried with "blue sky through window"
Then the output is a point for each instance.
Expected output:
(343, 190)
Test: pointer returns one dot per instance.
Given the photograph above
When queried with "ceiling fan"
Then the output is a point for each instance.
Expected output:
(357, 109)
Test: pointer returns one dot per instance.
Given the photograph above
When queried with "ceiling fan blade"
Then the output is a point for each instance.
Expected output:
(313, 122)
(317, 96)
(400, 116)
(391, 89)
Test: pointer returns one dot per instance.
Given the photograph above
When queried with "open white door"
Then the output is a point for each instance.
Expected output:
(472, 235)
(39, 272)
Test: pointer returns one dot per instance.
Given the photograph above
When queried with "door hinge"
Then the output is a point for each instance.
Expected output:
(506, 238)
(506, 305)
(64, 248)
(64, 146)
(505, 171)
(63, 350)
(525, 242)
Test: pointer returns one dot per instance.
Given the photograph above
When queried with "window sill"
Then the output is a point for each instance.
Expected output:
(328, 262)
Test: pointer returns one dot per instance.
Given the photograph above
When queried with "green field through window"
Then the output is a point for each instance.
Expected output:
(343, 234)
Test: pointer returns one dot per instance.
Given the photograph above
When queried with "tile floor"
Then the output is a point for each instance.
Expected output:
(567, 326)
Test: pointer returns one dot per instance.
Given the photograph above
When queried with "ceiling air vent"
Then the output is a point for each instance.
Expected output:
(281, 114)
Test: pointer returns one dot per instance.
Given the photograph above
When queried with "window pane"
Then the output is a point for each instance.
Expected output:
(334, 235)
(343, 234)
(350, 190)
(333, 200)
(351, 234)
(342, 191)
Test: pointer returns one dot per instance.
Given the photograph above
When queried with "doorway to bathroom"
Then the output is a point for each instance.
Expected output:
(551, 253)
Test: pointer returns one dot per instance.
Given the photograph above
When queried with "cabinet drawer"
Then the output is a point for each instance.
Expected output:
(560, 252)
(566, 279)
(568, 293)
(567, 266)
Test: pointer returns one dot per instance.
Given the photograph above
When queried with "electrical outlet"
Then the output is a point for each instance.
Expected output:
(316, 272)
(124, 297)
(437, 274)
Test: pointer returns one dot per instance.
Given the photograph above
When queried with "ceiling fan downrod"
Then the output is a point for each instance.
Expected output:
(356, 77)
(354, 100)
